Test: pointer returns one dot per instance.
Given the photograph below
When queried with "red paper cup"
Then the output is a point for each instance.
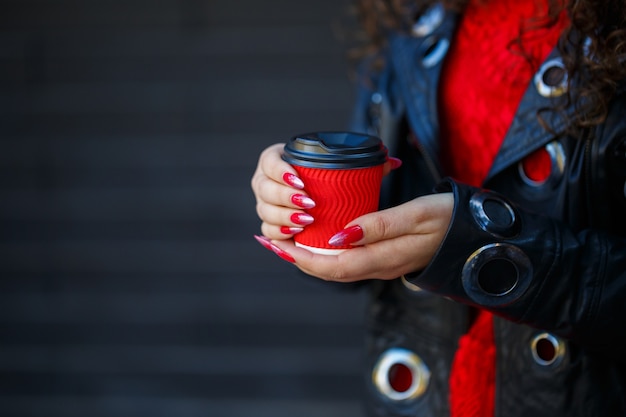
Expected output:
(342, 172)
(341, 195)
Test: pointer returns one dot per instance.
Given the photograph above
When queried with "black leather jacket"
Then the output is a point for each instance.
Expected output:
(548, 259)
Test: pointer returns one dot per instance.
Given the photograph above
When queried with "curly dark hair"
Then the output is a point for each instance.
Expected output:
(593, 47)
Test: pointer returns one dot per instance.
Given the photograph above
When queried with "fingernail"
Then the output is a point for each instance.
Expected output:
(267, 244)
(347, 236)
(302, 201)
(293, 180)
(301, 218)
(287, 230)
(395, 163)
(284, 255)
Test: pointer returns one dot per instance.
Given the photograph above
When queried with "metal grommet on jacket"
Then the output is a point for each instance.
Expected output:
(496, 274)
(494, 214)
(433, 50)
(547, 349)
(430, 20)
(434, 47)
(400, 375)
(557, 160)
(551, 79)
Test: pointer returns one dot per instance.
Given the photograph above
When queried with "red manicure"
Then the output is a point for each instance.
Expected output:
(264, 241)
(267, 244)
(301, 218)
(395, 162)
(287, 230)
(284, 255)
(293, 180)
(302, 201)
(347, 236)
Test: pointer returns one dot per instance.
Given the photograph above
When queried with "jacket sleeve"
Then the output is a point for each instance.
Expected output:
(531, 269)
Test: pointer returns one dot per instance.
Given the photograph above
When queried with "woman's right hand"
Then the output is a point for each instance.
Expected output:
(280, 196)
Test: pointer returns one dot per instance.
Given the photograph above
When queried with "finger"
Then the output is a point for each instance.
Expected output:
(351, 265)
(374, 227)
(278, 232)
(419, 216)
(388, 259)
(274, 167)
(272, 192)
(271, 167)
(282, 216)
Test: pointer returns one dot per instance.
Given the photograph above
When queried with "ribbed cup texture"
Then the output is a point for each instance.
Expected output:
(340, 195)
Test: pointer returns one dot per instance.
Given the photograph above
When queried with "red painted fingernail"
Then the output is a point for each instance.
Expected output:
(347, 236)
(265, 242)
(284, 255)
(302, 201)
(293, 180)
(395, 162)
(301, 218)
(287, 230)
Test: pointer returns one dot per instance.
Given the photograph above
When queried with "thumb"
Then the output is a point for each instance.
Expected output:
(427, 214)
(372, 227)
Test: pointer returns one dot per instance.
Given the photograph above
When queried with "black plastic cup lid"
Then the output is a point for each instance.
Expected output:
(335, 150)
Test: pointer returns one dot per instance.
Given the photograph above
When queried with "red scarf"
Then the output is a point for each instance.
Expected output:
(483, 80)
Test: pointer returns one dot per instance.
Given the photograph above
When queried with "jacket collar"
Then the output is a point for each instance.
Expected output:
(416, 62)
(526, 133)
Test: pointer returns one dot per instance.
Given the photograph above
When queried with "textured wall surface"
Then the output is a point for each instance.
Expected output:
(130, 284)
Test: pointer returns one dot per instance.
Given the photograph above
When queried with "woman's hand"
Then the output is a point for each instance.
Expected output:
(280, 196)
(389, 243)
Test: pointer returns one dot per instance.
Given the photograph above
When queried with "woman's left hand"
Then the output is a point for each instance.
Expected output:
(388, 243)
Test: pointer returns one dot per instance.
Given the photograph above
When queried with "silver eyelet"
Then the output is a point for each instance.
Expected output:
(430, 20)
(390, 361)
(547, 350)
(557, 166)
(547, 87)
(433, 50)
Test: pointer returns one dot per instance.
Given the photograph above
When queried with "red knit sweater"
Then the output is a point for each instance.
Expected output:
(483, 80)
